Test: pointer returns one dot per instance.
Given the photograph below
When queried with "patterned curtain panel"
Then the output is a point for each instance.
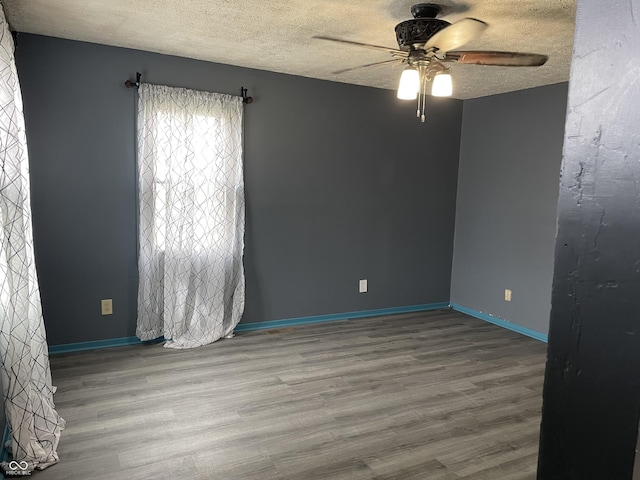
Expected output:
(191, 200)
(33, 421)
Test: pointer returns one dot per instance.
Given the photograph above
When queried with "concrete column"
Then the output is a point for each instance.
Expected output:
(592, 381)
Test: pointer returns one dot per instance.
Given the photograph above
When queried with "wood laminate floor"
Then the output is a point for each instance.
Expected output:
(436, 395)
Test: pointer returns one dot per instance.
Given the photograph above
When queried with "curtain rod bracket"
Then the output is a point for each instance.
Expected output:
(245, 99)
(130, 84)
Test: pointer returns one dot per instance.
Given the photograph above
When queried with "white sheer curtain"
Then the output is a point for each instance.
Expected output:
(33, 421)
(191, 222)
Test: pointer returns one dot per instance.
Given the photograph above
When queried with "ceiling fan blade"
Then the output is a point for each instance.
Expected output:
(385, 62)
(393, 51)
(456, 34)
(501, 59)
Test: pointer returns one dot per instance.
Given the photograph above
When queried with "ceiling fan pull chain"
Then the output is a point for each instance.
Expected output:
(420, 90)
(424, 98)
(423, 91)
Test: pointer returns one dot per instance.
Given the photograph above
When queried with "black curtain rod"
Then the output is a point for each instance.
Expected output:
(136, 84)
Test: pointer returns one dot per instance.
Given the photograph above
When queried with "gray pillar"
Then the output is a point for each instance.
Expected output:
(592, 382)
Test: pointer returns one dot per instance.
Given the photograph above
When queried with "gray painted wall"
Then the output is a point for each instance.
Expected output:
(342, 183)
(510, 155)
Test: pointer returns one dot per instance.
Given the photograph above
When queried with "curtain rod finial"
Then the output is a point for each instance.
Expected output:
(129, 84)
(245, 98)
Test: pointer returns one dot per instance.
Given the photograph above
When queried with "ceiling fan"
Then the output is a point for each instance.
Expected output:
(427, 45)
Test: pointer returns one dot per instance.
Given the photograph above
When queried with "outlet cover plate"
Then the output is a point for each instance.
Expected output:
(106, 306)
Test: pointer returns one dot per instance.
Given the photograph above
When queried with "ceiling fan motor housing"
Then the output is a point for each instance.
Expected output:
(421, 28)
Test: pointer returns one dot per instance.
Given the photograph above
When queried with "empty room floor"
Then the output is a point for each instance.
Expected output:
(432, 395)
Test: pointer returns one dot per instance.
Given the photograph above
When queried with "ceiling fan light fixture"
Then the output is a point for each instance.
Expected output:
(428, 46)
(409, 84)
(442, 85)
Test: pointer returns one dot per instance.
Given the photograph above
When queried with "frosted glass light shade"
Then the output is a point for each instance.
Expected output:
(442, 86)
(409, 84)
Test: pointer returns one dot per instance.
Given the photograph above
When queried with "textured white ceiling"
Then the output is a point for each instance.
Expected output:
(277, 35)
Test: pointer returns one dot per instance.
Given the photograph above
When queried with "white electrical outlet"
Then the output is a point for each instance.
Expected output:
(107, 306)
(507, 295)
(363, 286)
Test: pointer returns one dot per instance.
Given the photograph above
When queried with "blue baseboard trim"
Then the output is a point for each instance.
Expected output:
(245, 327)
(99, 344)
(500, 322)
(288, 322)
